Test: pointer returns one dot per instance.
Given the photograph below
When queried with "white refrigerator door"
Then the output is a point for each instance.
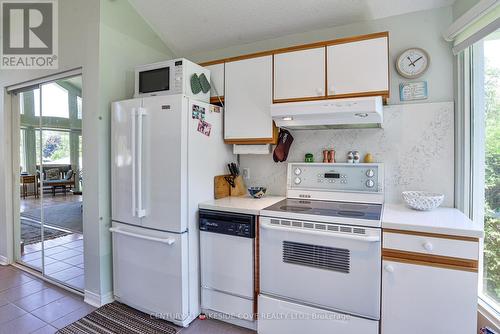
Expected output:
(123, 125)
(150, 271)
(162, 193)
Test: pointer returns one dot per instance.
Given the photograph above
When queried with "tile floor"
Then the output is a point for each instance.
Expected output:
(63, 259)
(30, 305)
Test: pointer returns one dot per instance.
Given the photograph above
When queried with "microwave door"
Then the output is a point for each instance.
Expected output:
(155, 80)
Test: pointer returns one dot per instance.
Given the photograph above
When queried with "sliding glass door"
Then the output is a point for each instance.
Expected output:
(50, 222)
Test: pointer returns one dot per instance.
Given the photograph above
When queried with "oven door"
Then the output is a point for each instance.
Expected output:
(314, 264)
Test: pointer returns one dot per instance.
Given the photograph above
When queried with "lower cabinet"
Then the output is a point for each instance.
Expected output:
(419, 298)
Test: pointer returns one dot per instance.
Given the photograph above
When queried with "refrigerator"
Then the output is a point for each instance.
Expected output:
(165, 152)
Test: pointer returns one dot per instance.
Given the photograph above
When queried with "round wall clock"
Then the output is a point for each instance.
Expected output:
(412, 63)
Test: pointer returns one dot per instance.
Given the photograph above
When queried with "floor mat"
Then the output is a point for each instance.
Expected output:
(68, 216)
(31, 232)
(120, 319)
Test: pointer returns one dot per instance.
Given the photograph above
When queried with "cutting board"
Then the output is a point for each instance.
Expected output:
(223, 189)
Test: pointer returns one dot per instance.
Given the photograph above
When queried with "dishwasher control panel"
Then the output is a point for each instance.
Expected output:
(234, 224)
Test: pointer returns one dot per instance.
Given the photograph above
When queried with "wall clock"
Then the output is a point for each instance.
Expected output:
(412, 63)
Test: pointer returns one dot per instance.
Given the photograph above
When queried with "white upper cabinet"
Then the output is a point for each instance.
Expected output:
(358, 67)
(299, 74)
(216, 79)
(247, 101)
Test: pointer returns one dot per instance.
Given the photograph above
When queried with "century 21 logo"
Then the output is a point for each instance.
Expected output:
(29, 31)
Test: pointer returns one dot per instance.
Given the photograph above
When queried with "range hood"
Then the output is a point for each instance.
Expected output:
(359, 112)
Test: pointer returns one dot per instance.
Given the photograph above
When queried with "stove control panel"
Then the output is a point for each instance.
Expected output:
(335, 177)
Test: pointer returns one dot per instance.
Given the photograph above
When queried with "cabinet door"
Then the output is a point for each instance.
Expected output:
(420, 299)
(247, 97)
(216, 81)
(358, 67)
(299, 74)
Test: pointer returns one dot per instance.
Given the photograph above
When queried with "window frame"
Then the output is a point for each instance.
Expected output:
(470, 154)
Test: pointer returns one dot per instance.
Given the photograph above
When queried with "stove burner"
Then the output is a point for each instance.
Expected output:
(295, 208)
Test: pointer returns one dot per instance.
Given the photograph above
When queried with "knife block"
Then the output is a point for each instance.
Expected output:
(223, 189)
(239, 187)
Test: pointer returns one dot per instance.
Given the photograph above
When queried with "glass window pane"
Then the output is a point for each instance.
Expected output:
(487, 113)
(55, 101)
(55, 148)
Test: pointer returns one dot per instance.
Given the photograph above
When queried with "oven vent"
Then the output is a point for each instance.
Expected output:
(319, 226)
(322, 257)
(358, 230)
(345, 229)
(333, 228)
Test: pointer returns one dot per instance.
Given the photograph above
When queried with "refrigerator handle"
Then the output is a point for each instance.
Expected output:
(134, 160)
(168, 241)
(141, 212)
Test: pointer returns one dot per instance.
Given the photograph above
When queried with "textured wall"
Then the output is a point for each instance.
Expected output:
(416, 145)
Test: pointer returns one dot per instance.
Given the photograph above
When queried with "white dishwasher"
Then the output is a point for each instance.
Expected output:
(227, 266)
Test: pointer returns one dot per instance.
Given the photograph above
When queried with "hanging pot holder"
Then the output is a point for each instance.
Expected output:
(195, 84)
(285, 140)
(205, 85)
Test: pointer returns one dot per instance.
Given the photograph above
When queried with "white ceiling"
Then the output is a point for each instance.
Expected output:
(190, 26)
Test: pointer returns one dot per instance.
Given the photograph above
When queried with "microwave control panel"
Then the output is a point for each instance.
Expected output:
(177, 77)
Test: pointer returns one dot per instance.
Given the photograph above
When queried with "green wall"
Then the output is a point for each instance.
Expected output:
(125, 41)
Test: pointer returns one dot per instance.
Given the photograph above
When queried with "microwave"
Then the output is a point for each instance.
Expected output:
(168, 78)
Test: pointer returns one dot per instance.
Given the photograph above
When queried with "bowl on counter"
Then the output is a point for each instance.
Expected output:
(422, 200)
(257, 192)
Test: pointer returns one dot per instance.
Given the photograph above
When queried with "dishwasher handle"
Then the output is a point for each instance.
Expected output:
(370, 238)
(168, 241)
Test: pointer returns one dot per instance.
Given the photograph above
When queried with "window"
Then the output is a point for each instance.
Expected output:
(485, 134)
(79, 107)
(55, 148)
(22, 150)
(55, 101)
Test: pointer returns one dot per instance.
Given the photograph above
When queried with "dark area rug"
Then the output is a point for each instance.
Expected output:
(31, 232)
(120, 319)
(68, 216)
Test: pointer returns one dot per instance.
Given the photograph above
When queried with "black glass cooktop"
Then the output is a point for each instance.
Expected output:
(328, 208)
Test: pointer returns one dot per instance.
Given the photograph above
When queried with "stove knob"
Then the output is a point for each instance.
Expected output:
(370, 183)
(370, 173)
(297, 180)
(297, 171)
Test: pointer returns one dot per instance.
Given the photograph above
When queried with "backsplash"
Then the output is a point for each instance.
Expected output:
(416, 146)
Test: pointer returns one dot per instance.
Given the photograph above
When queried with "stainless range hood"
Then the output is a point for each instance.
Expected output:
(359, 112)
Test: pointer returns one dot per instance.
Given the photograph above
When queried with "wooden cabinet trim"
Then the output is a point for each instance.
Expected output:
(256, 141)
(215, 99)
(384, 94)
(433, 235)
(298, 48)
(430, 260)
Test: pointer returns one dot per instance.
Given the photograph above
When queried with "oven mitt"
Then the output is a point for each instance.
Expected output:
(205, 85)
(195, 84)
(285, 140)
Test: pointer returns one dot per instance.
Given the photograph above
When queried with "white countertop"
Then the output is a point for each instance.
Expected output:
(441, 221)
(244, 204)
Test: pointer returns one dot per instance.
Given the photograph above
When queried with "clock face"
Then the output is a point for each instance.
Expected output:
(412, 63)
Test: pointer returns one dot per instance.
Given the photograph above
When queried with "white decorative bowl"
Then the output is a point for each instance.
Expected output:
(422, 200)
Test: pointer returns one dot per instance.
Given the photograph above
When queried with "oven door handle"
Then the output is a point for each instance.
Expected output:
(370, 238)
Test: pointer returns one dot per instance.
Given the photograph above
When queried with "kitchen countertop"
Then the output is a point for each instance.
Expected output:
(447, 221)
(243, 204)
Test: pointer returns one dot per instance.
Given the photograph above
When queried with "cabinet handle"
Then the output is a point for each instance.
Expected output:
(320, 91)
(389, 268)
(428, 246)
